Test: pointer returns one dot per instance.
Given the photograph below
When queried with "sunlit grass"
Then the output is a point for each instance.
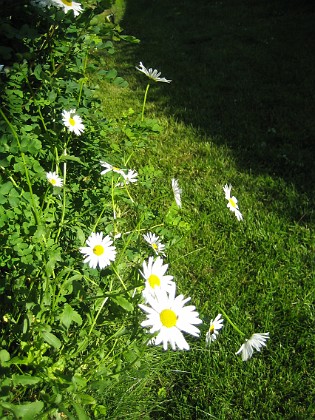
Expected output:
(261, 270)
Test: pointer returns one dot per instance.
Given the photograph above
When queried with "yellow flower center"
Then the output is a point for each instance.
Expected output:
(154, 280)
(53, 181)
(67, 3)
(116, 169)
(98, 250)
(154, 246)
(211, 329)
(71, 121)
(168, 318)
(232, 202)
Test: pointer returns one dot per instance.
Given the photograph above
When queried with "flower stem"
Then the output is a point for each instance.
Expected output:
(64, 194)
(232, 323)
(82, 79)
(121, 280)
(144, 101)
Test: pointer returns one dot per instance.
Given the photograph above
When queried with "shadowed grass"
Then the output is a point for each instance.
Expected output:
(239, 110)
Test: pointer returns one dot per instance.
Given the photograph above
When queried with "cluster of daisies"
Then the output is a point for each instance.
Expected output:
(65, 5)
(168, 316)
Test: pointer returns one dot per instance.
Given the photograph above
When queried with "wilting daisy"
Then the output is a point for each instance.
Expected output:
(257, 341)
(108, 167)
(177, 192)
(130, 177)
(54, 179)
(215, 326)
(232, 202)
(67, 5)
(155, 243)
(99, 251)
(152, 74)
(168, 316)
(155, 278)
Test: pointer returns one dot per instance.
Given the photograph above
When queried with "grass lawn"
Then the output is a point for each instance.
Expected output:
(239, 110)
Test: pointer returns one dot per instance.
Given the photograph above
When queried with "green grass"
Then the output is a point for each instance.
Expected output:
(240, 110)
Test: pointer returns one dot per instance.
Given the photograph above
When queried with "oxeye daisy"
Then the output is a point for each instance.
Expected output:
(108, 167)
(154, 275)
(215, 326)
(99, 251)
(177, 192)
(256, 341)
(54, 179)
(67, 5)
(232, 202)
(152, 74)
(168, 316)
(131, 176)
(155, 243)
(72, 121)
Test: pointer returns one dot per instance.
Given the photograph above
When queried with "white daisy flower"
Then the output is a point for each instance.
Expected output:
(54, 179)
(72, 121)
(131, 176)
(67, 5)
(177, 192)
(168, 316)
(152, 74)
(155, 278)
(155, 243)
(108, 167)
(232, 202)
(99, 251)
(257, 341)
(215, 326)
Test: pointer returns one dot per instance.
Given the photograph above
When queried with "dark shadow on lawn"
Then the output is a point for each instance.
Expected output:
(243, 72)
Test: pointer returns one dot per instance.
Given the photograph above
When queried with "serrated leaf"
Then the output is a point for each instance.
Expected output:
(69, 315)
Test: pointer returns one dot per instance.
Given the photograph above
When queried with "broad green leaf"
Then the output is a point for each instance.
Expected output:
(51, 339)
(79, 381)
(6, 187)
(25, 379)
(86, 399)
(69, 315)
(26, 411)
(4, 356)
(72, 158)
(124, 303)
(80, 412)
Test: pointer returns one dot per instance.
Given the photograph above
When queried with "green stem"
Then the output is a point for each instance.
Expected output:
(82, 80)
(120, 279)
(100, 308)
(232, 323)
(64, 195)
(144, 101)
